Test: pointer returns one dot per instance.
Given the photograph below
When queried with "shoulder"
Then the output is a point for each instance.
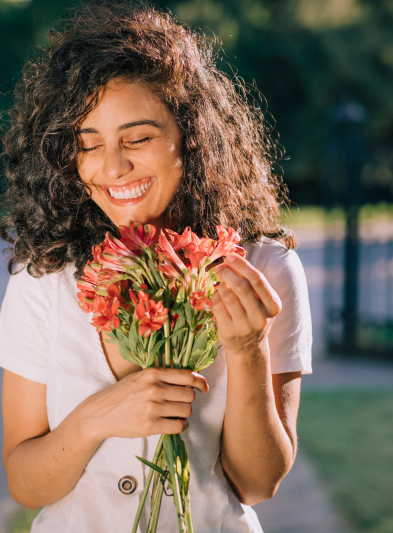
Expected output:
(23, 287)
(280, 265)
(290, 338)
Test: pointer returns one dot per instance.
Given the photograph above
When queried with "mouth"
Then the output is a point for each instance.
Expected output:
(128, 194)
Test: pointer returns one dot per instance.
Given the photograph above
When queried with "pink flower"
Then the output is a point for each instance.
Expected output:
(113, 245)
(202, 244)
(177, 241)
(90, 274)
(227, 243)
(165, 251)
(167, 267)
(138, 237)
(152, 315)
(112, 261)
(86, 301)
(200, 301)
(115, 290)
(87, 286)
(105, 313)
(97, 250)
(109, 276)
(175, 318)
(197, 250)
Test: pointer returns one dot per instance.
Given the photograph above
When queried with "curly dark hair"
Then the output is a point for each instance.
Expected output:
(227, 153)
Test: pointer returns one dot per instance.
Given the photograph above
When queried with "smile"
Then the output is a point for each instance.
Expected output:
(128, 194)
(124, 193)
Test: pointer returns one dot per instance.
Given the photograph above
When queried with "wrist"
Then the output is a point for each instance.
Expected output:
(249, 353)
(91, 430)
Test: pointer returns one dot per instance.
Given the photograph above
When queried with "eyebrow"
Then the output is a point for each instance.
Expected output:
(126, 126)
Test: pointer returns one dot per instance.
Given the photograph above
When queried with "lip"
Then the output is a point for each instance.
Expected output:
(122, 188)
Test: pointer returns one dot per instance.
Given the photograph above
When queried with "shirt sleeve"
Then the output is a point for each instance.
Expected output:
(290, 338)
(24, 327)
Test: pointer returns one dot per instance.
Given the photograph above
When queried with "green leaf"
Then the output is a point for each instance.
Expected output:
(124, 316)
(208, 358)
(133, 337)
(189, 313)
(151, 355)
(180, 324)
(196, 354)
(152, 465)
(161, 342)
(155, 273)
(200, 341)
(127, 355)
(110, 341)
(122, 338)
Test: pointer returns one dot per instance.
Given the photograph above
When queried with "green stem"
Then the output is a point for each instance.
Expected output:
(152, 528)
(167, 332)
(149, 276)
(189, 348)
(147, 486)
(190, 529)
(201, 273)
(175, 484)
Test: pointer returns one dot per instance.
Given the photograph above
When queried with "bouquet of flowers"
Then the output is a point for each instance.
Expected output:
(154, 300)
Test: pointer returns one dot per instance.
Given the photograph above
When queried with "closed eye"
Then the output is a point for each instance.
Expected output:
(139, 141)
(90, 149)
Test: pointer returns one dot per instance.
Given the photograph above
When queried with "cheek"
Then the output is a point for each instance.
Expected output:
(84, 170)
(174, 162)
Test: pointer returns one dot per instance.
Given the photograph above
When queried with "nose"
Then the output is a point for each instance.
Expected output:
(116, 164)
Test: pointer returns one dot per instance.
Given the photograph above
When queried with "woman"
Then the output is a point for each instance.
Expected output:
(125, 118)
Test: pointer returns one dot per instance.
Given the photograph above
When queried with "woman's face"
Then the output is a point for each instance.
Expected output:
(130, 154)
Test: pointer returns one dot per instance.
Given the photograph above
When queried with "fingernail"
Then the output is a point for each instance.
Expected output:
(231, 258)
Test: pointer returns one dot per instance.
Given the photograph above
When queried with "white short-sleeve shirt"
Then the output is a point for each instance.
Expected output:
(45, 337)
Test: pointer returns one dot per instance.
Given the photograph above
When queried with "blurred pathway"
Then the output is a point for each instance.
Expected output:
(348, 373)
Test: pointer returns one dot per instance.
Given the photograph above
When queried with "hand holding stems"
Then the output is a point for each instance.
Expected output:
(148, 402)
(244, 305)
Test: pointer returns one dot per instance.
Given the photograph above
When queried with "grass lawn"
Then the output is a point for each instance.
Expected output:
(21, 522)
(348, 435)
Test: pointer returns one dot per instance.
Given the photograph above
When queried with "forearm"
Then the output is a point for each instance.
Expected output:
(43, 470)
(256, 450)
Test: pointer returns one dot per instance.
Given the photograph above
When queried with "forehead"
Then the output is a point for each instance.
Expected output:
(121, 101)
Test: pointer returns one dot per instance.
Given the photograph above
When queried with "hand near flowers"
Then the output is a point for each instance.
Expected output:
(144, 403)
(244, 305)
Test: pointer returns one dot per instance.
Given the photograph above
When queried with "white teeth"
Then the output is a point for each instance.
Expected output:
(129, 193)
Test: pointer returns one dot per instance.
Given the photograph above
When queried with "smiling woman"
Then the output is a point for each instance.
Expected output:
(137, 164)
(126, 119)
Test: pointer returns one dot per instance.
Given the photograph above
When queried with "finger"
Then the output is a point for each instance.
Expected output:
(233, 306)
(174, 409)
(178, 376)
(169, 426)
(173, 393)
(220, 312)
(251, 305)
(258, 282)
